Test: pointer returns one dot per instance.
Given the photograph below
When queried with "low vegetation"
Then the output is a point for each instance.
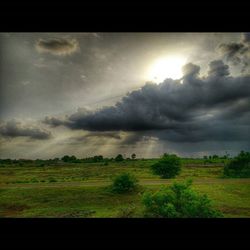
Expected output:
(178, 201)
(124, 183)
(73, 187)
(168, 166)
(238, 166)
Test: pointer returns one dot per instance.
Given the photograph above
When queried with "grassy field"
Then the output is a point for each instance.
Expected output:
(80, 189)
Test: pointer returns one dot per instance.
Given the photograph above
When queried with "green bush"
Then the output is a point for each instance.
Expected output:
(178, 201)
(124, 183)
(238, 166)
(168, 166)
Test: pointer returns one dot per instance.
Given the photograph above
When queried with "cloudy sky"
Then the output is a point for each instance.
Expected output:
(108, 93)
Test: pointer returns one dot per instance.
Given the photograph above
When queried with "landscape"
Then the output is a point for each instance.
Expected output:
(55, 188)
(125, 125)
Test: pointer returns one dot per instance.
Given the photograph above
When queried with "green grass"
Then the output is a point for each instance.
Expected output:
(95, 171)
(63, 202)
(62, 191)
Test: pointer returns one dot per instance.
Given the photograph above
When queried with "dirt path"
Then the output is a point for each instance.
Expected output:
(99, 183)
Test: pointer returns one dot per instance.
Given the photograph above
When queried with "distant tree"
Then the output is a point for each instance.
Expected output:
(119, 157)
(133, 156)
(67, 158)
(98, 158)
(239, 166)
(168, 166)
(205, 157)
(215, 157)
(226, 156)
(73, 158)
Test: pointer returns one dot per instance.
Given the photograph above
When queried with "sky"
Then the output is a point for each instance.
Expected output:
(86, 94)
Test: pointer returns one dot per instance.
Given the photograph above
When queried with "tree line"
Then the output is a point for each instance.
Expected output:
(68, 159)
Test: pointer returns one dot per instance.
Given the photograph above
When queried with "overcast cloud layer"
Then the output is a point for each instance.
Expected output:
(65, 93)
(215, 107)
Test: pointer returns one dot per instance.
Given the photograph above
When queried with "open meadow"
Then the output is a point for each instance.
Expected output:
(81, 189)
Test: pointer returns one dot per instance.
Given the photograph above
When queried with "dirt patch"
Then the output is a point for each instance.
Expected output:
(11, 210)
(236, 210)
(7, 173)
(78, 214)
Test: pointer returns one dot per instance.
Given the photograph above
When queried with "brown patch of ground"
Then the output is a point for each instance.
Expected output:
(11, 210)
(235, 210)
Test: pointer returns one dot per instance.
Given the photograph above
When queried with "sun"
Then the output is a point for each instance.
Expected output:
(166, 67)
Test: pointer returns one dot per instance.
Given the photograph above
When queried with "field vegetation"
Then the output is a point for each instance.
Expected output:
(71, 187)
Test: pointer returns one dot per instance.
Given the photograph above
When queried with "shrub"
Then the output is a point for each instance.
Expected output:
(168, 166)
(124, 183)
(178, 201)
(238, 166)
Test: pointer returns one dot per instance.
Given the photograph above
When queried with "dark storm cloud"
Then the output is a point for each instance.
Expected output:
(191, 69)
(113, 135)
(93, 138)
(57, 46)
(14, 129)
(238, 53)
(133, 138)
(105, 135)
(233, 51)
(218, 69)
(215, 107)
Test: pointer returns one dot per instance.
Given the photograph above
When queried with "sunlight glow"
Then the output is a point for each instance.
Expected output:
(166, 67)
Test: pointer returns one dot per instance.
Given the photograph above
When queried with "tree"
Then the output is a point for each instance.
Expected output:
(133, 156)
(124, 183)
(178, 200)
(239, 166)
(67, 158)
(119, 157)
(168, 166)
(98, 158)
